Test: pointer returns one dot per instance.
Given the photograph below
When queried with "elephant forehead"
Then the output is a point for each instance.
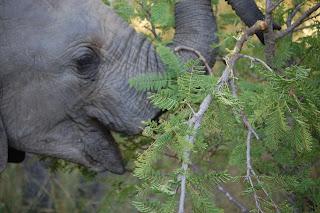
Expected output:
(44, 28)
(21, 14)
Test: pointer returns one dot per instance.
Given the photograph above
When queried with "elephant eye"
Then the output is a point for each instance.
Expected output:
(87, 62)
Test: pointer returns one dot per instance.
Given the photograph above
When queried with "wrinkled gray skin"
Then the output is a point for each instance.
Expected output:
(64, 71)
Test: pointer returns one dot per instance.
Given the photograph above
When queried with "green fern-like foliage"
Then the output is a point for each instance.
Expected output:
(186, 85)
(159, 13)
(282, 105)
(285, 111)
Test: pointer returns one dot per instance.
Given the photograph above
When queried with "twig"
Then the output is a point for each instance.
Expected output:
(232, 199)
(244, 118)
(228, 195)
(258, 60)
(248, 125)
(293, 14)
(298, 22)
(265, 191)
(200, 56)
(258, 26)
(148, 14)
(249, 172)
(305, 27)
(274, 6)
(312, 17)
(195, 121)
(252, 174)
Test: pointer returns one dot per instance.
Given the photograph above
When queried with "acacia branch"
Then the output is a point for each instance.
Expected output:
(196, 120)
(257, 60)
(251, 174)
(312, 17)
(271, 36)
(306, 27)
(153, 28)
(273, 6)
(232, 199)
(250, 171)
(245, 121)
(195, 123)
(227, 194)
(298, 22)
(293, 14)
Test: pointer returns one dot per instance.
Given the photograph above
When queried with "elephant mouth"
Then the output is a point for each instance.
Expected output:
(98, 166)
(100, 151)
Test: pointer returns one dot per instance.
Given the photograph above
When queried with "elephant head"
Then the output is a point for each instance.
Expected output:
(64, 71)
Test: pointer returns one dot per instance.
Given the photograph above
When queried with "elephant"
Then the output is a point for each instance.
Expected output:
(64, 72)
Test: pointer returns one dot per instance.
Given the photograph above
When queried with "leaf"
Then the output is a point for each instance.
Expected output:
(276, 127)
(161, 14)
(173, 64)
(150, 82)
(124, 9)
(301, 136)
(166, 99)
(147, 207)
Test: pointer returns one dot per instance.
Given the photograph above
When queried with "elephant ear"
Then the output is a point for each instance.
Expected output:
(3, 147)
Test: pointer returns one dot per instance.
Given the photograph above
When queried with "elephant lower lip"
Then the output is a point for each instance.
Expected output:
(93, 163)
(98, 166)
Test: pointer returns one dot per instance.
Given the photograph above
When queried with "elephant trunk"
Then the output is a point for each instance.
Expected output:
(195, 28)
(249, 13)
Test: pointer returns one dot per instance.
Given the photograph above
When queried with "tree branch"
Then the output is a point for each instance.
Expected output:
(196, 120)
(249, 172)
(232, 199)
(294, 13)
(269, 36)
(306, 27)
(312, 17)
(257, 60)
(298, 22)
(148, 16)
(274, 6)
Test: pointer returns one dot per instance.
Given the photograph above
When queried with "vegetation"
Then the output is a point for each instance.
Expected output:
(250, 126)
